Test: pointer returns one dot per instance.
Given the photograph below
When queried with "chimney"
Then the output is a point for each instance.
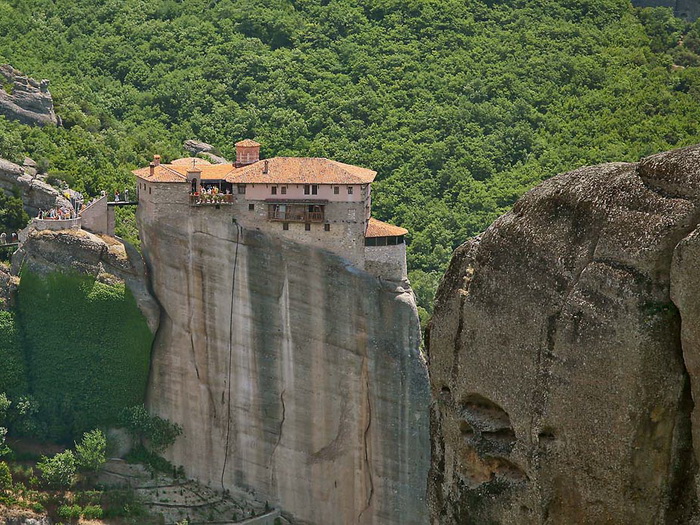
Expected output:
(151, 168)
(247, 152)
(156, 160)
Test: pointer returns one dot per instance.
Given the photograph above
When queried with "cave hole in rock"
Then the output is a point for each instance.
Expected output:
(546, 435)
(466, 429)
(483, 413)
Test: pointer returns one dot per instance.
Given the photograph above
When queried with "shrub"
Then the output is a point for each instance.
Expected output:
(5, 477)
(69, 512)
(58, 471)
(90, 452)
(158, 432)
(92, 512)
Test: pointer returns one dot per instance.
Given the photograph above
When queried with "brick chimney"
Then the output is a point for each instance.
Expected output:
(247, 152)
(151, 169)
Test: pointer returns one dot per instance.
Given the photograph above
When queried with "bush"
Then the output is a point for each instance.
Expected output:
(92, 512)
(90, 452)
(69, 512)
(88, 346)
(5, 477)
(158, 432)
(58, 471)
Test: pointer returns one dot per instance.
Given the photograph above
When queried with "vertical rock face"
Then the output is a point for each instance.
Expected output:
(564, 354)
(292, 373)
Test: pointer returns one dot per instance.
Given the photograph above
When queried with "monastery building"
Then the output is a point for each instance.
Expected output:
(315, 201)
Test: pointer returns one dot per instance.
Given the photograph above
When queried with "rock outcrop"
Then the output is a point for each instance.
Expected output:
(206, 150)
(685, 9)
(293, 374)
(102, 257)
(25, 99)
(36, 194)
(564, 354)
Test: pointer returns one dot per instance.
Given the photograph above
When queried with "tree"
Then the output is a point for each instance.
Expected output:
(12, 214)
(5, 477)
(4, 407)
(59, 470)
(90, 453)
(158, 432)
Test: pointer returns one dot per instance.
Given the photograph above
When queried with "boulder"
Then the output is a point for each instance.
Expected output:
(205, 150)
(36, 194)
(564, 354)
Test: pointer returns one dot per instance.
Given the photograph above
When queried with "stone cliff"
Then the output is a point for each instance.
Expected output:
(564, 354)
(36, 194)
(293, 374)
(24, 99)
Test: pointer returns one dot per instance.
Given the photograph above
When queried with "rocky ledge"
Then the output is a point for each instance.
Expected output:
(104, 258)
(564, 354)
(24, 99)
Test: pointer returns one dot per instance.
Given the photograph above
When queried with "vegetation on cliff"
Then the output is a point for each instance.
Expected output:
(13, 374)
(87, 349)
(460, 105)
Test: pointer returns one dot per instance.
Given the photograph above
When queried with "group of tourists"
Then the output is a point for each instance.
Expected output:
(58, 213)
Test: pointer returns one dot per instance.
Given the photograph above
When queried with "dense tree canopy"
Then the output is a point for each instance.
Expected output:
(460, 105)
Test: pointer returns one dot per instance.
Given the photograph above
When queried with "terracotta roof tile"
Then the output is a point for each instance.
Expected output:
(187, 162)
(247, 143)
(280, 170)
(377, 228)
(161, 173)
(301, 170)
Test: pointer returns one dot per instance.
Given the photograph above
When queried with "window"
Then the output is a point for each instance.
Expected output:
(350, 188)
(274, 190)
(284, 190)
(251, 207)
(307, 189)
(336, 190)
(285, 226)
(327, 227)
(149, 190)
(370, 241)
(314, 189)
(391, 241)
(307, 227)
(241, 189)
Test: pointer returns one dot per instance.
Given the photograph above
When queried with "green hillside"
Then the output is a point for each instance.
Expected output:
(460, 105)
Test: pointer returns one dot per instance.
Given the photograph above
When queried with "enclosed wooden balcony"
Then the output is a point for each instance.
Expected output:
(295, 212)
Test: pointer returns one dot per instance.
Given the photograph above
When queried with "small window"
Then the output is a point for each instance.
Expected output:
(284, 190)
(370, 241)
(307, 227)
(391, 241)
(274, 190)
(285, 226)
(307, 189)
(350, 189)
(400, 239)
(241, 189)
(314, 189)
(149, 190)
(336, 190)
(251, 207)
(327, 227)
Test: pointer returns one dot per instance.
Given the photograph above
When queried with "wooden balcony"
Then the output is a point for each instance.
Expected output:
(210, 200)
(295, 214)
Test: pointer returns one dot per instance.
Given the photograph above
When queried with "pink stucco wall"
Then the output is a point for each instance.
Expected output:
(259, 192)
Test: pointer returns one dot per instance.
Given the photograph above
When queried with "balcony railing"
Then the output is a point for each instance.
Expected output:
(295, 216)
(207, 199)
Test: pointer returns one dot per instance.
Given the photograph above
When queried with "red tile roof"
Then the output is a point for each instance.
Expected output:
(161, 173)
(280, 170)
(301, 170)
(377, 228)
(247, 143)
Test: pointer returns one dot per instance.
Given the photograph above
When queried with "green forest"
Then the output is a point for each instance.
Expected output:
(460, 105)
